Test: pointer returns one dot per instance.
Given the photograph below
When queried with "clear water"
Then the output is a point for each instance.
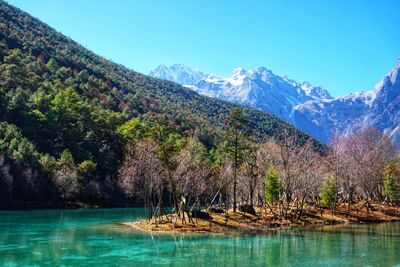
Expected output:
(91, 238)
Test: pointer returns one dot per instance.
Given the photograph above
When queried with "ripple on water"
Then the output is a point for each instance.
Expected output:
(89, 238)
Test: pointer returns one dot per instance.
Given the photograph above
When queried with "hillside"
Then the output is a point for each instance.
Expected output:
(61, 105)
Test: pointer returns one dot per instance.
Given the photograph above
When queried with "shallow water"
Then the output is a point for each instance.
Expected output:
(90, 238)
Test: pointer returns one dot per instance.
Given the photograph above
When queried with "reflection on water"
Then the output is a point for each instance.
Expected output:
(90, 237)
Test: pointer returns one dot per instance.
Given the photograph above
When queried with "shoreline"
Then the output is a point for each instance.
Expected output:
(263, 223)
(18, 205)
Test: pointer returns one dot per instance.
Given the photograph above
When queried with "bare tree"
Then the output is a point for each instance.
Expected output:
(142, 175)
(191, 176)
(311, 171)
(356, 162)
(370, 151)
(339, 164)
(249, 175)
(289, 165)
(66, 182)
(65, 179)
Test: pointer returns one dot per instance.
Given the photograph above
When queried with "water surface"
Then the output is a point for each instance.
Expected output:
(89, 237)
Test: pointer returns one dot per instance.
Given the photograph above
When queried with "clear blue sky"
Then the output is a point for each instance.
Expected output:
(342, 45)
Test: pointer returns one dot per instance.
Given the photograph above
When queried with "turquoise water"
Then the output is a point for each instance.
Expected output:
(90, 238)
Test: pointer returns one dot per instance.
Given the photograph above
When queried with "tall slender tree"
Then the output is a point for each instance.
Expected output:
(235, 144)
(391, 180)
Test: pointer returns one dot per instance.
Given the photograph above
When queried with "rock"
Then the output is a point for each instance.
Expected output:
(247, 209)
(200, 214)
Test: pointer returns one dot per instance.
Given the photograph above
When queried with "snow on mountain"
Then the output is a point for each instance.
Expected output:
(262, 89)
(259, 88)
(309, 108)
(178, 73)
(379, 108)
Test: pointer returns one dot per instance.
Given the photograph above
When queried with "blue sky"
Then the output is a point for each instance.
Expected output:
(344, 46)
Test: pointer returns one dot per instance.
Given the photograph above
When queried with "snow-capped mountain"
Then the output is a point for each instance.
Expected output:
(178, 73)
(379, 108)
(344, 115)
(259, 88)
(309, 108)
(262, 89)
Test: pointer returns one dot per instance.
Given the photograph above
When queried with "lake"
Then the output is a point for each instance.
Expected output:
(89, 237)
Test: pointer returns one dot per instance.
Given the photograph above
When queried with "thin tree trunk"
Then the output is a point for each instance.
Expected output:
(235, 172)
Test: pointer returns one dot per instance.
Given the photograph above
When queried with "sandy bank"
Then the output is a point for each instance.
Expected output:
(264, 221)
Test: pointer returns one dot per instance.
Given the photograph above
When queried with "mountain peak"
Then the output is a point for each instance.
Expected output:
(391, 80)
(239, 71)
(179, 73)
(263, 69)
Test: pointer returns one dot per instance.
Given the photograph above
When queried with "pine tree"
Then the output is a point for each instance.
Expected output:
(273, 186)
(391, 189)
(328, 193)
(235, 144)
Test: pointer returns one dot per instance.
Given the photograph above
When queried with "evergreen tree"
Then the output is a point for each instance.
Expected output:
(391, 177)
(273, 186)
(328, 193)
(235, 144)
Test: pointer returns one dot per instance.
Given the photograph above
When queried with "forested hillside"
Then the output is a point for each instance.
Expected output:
(63, 112)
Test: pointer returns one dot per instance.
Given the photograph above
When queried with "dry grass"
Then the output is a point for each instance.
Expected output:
(263, 222)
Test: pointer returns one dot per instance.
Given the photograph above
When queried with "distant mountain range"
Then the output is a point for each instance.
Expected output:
(309, 108)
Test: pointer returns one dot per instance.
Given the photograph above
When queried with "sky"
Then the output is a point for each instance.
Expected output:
(344, 46)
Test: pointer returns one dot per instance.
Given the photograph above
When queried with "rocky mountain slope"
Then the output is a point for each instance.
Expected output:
(379, 108)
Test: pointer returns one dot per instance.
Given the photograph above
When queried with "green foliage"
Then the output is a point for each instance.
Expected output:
(236, 136)
(83, 128)
(236, 143)
(169, 148)
(66, 158)
(87, 166)
(132, 130)
(47, 162)
(236, 120)
(15, 146)
(328, 192)
(23, 160)
(196, 149)
(273, 186)
(391, 179)
(215, 159)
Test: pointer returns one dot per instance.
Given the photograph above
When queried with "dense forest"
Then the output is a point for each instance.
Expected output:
(68, 117)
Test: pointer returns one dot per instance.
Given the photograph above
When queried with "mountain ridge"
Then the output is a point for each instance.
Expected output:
(309, 108)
